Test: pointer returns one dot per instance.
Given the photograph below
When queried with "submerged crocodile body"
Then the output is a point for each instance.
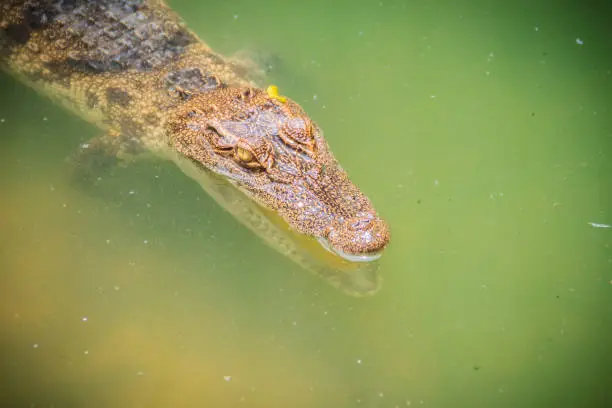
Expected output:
(134, 69)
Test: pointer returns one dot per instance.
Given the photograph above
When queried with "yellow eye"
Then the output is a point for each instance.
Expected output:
(244, 155)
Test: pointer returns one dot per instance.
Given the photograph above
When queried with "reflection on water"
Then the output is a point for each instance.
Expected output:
(481, 134)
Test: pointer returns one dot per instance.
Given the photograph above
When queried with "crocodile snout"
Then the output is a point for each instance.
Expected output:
(358, 239)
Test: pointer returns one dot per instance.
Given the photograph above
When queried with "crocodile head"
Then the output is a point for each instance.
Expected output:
(267, 147)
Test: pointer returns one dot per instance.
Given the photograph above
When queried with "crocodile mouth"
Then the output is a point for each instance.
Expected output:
(369, 257)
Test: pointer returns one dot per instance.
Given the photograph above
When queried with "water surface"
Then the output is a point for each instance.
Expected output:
(481, 132)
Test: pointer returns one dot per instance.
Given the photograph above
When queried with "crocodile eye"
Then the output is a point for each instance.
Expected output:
(244, 155)
(256, 153)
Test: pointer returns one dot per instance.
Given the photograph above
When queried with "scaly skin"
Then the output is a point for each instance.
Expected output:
(132, 68)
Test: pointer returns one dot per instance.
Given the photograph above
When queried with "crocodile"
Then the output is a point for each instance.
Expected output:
(135, 70)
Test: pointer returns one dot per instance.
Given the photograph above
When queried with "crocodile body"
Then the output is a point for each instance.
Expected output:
(134, 69)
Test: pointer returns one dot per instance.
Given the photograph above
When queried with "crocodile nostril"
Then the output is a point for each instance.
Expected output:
(360, 223)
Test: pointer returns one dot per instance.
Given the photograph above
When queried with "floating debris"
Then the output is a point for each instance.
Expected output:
(579, 41)
(598, 225)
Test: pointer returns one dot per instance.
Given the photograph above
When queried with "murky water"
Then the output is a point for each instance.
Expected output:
(482, 134)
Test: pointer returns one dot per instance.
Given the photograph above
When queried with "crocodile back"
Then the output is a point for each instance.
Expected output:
(120, 64)
(96, 36)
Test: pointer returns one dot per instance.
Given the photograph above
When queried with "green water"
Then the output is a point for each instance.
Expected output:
(482, 133)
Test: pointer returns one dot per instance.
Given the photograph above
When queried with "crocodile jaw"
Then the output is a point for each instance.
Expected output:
(353, 275)
(350, 257)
